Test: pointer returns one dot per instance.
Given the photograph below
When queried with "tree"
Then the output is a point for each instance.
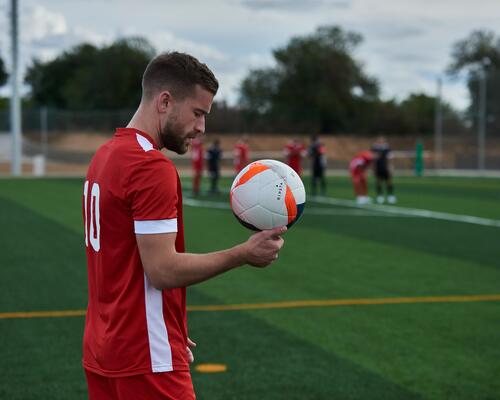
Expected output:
(418, 111)
(87, 77)
(316, 85)
(479, 54)
(3, 73)
(48, 80)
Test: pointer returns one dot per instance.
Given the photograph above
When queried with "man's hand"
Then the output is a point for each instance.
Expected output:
(191, 345)
(262, 248)
(166, 268)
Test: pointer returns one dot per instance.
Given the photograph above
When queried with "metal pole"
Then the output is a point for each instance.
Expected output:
(482, 121)
(438, 128)
(15, 102)
(43, 131)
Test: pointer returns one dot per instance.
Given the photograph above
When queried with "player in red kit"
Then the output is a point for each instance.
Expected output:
(135, 343)
(294, 153)
(358, 169)
(241, 154)
(197, 160)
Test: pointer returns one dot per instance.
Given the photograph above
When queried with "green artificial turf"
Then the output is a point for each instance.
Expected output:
(371, 351)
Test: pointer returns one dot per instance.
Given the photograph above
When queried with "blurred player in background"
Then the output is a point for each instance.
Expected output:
(317, 153)
(383, 176)
(241, 154)
(197, 159)
(358, 169)
(135, 343)
(294, 152)
(214, 155)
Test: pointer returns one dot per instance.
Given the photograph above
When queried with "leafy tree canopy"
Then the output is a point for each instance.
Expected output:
(479, 48)
(316, 83)
(3, 73)
(88, 77)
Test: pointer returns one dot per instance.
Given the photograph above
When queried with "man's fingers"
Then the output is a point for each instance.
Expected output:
(190, 355)
(190, 345)
(277, 232)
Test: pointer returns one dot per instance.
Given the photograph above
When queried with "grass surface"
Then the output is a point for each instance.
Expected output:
(397, 351)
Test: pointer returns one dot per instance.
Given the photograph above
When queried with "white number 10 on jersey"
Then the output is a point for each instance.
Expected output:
(91, 212)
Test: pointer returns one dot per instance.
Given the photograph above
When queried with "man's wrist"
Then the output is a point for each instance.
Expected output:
(239, 255)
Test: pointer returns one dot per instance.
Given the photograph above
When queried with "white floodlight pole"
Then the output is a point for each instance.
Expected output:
(15, 102)
(438, 128)
(44, 140)
(482, 120)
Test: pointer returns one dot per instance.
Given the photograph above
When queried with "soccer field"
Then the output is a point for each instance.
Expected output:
(373, 302)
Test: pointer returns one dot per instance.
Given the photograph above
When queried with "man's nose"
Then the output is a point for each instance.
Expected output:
(200, 125)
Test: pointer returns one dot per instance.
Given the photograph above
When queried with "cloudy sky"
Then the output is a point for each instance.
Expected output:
(407, 43)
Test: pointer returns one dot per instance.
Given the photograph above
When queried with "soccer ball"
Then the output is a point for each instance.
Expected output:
(267, 194)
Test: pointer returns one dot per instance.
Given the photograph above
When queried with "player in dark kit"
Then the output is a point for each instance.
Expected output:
(214, 155)
(382, 171)
(317, 153)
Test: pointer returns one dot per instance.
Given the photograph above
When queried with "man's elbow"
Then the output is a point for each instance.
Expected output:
(159, 278)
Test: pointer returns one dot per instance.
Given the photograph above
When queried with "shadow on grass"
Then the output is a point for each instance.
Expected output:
(43, 262)
(268, 363)
(458, 240)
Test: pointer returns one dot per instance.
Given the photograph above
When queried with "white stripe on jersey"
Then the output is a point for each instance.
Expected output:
(159, 347)
(155, 226)
(145, 143)
(356, 163)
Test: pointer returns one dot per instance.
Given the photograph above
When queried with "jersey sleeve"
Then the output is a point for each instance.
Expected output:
(152, 194)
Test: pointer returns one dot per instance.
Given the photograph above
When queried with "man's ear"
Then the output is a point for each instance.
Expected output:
(164, 101)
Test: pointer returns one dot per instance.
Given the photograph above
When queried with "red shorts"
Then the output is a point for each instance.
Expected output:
(197, 168)
(358, 175)
(176, 385)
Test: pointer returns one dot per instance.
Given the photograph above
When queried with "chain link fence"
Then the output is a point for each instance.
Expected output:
(466, 142)
(470, 140)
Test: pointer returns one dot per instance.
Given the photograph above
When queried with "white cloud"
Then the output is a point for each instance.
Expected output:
(407, 43)
(291, 5)
(231, 74)
(164, 41)
(39, 22)
(46, 33)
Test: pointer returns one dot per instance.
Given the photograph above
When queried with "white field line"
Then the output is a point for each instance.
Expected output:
(354, 213)
(208, 204)
(374, 210)
(316, 211)
(413, 212)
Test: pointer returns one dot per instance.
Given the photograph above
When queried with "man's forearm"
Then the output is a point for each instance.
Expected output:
(185, 269)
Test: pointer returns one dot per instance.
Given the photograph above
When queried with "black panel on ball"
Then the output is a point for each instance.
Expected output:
(246, 224)
(300, 210)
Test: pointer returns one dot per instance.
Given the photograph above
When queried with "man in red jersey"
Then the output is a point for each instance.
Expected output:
(197, 159)
(358, 169)
(294, 153)
(240, 153)
(135, 343)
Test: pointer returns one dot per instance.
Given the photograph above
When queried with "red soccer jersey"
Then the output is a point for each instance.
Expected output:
(240, 156)
(360, 163)
(294, 153)
(197, 155)
(131, 327)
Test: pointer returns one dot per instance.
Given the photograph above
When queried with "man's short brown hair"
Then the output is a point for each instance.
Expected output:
(178, 73)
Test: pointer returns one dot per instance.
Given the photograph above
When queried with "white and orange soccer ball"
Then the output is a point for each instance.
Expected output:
(267, 194)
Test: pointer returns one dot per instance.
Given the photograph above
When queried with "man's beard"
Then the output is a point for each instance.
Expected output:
(173, 136)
